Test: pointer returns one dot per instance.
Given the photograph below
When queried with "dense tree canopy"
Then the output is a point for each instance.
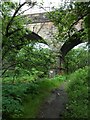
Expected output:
(15, 34)
(75, 59)
(72, 21)
(26, 68)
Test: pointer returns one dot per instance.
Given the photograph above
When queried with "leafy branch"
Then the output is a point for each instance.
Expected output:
(10, 22)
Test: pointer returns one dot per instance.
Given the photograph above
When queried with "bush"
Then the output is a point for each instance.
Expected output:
(78, 94)
(13, 96)
(11, 107)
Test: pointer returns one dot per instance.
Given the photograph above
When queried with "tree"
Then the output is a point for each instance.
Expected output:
(75, 59)
(15, 35)
(71, 31)
(35, 60)
(67, 17)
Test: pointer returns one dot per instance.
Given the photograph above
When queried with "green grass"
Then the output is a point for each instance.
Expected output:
(23, 97)
(32, 105)
(19, 79)
(26, 96)
(33, 102)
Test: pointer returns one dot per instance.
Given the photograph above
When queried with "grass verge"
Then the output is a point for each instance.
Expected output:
(78, 95)
(32, 103)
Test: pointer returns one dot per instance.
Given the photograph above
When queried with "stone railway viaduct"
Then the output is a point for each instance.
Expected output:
(43, 29)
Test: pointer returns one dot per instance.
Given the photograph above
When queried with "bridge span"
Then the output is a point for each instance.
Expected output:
(45, 28)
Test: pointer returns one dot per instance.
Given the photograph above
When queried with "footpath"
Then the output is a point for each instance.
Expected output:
(54, 105)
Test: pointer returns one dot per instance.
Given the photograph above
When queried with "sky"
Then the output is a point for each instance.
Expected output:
(47, 4)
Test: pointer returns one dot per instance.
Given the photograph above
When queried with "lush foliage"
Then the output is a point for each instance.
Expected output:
(25, 65)
(67, 16)
(36, 61)
(75, 59)
(78, 94)
(15, 96)
(19, 54)
(13, 30)
(33, 62)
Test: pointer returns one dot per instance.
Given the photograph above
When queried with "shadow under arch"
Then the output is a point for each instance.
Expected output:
(26, 39)
(73, 41)
(32, 36)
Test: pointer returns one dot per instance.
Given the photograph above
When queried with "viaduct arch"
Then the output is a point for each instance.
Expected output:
(44, 30)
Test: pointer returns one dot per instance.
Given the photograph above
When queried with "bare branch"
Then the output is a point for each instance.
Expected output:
(8, 68)
(81, 17)
(10, 22)
(32, 4)
(24, 11)
(44, 9)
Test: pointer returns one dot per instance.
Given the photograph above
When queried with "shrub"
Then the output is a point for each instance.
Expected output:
(78, 94)
(13, 96)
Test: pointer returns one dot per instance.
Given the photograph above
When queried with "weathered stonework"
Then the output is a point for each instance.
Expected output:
(46, 29)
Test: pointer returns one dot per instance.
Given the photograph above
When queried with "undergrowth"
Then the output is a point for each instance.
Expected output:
(78, 94)
(23, 98)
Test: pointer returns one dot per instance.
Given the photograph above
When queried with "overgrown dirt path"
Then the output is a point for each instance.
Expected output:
(54, 105)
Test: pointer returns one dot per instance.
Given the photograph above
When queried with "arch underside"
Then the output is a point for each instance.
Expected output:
(73, 41)
(34, 37)
(69, 44)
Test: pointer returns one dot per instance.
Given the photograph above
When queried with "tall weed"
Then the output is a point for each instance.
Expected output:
(78, 94)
